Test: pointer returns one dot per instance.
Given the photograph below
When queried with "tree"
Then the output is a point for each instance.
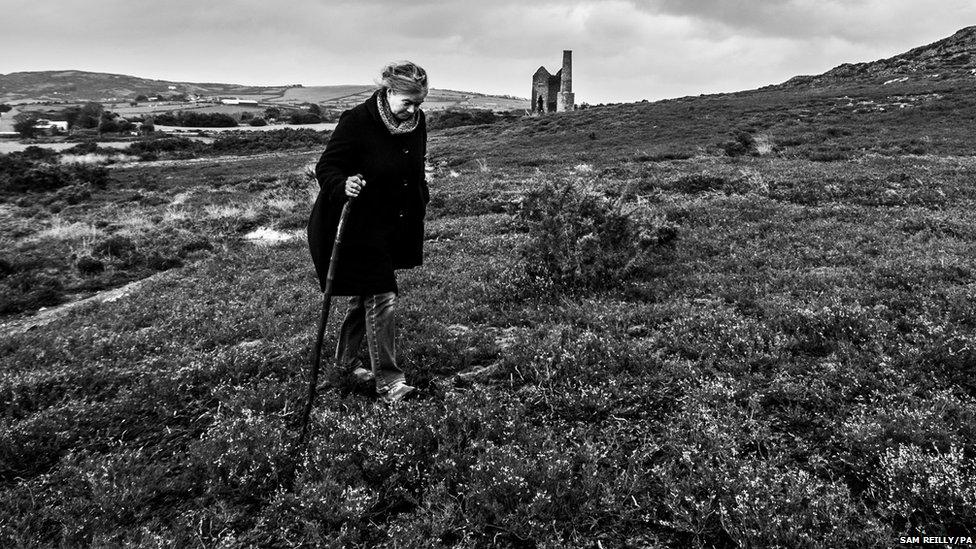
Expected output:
(141, 97)
(89, 116)
(24, 124)
(148, 125)
(304, 118)
(107, 125)
(272, 112)
(315, 109)
(69, 114)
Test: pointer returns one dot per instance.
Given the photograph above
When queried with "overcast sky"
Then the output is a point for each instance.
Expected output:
(624, 50)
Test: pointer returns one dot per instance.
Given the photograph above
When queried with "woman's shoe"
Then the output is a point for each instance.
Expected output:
(357, 369)
(362, 374)
(397, 392)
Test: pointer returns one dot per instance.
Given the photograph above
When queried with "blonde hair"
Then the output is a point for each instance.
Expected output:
(403, 77)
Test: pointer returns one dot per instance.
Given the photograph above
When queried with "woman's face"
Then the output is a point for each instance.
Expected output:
(404, 105)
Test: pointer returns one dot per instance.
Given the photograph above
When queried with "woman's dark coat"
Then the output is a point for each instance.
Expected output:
(385, 225)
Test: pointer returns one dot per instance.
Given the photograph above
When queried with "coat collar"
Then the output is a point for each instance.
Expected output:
(373, 110)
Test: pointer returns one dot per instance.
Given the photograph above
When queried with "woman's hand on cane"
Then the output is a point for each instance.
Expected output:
(354, 184)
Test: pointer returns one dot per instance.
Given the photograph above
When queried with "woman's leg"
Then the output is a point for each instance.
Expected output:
(380, 333)
(351, 333)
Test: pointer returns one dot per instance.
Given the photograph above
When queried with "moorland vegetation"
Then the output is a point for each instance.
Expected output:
(725, 321)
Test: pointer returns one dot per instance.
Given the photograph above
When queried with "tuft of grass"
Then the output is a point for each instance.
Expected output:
(248, 212)
(60, 229)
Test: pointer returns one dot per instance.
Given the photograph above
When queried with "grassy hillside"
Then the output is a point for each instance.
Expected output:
(72, 85)
(738, 320)
(80, 86)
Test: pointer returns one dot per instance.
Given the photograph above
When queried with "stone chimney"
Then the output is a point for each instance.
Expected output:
(566, 98)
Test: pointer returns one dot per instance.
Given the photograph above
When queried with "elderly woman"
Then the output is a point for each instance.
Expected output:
(375, 156)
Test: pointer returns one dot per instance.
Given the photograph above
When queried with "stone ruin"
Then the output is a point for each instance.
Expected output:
(554, 92)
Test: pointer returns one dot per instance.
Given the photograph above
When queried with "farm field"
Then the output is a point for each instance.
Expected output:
(7, 120)
(734, 320)
(322, 94)
(332, 97)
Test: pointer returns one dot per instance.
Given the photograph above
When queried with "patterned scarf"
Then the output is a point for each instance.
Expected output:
(395, 126)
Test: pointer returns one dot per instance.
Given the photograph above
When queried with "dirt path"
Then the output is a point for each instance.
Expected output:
(47, 315)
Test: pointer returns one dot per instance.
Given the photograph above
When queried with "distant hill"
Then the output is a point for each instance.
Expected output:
(920, 102)
(79, 86)
(949, 59)
(70, 85)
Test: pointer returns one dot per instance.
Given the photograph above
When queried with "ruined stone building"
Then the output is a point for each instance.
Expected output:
(554, 92)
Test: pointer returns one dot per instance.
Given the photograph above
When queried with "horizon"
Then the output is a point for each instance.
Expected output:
(623, 50)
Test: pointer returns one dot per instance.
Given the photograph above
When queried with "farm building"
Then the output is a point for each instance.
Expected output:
(51, 126)
(236, 101)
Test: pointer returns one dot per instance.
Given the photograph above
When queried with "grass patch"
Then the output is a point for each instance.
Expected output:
(796, 369)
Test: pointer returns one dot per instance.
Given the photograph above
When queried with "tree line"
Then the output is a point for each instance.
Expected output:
(94, 116)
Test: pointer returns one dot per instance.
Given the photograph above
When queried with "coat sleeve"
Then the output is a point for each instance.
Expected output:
(338, 161)
(423, 176)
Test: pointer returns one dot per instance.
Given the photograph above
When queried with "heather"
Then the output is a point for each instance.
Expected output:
(623, 336)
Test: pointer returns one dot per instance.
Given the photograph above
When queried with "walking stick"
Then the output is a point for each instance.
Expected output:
(313, 372)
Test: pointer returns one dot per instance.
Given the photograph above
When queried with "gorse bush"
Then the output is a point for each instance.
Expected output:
(196, 120)
(29, 172)
(741, 143)
(578, 238)
(177, 147)
(254, 142)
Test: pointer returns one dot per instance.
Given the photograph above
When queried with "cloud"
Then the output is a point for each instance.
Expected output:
(858, 21)
(623, 49)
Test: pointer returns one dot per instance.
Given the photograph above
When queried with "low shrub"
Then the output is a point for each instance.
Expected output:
(663, 155)
(90, 265)
(741, 143)
(25, 173)
(74, 194)
(115, 246)
(159, 261)
(452, 118)
(196, 120)
(579, 239)
(37, 153)
(304, 118)
(274, 140)
(180, 147)
(699, 183)
(24, 291)
(918, 488)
